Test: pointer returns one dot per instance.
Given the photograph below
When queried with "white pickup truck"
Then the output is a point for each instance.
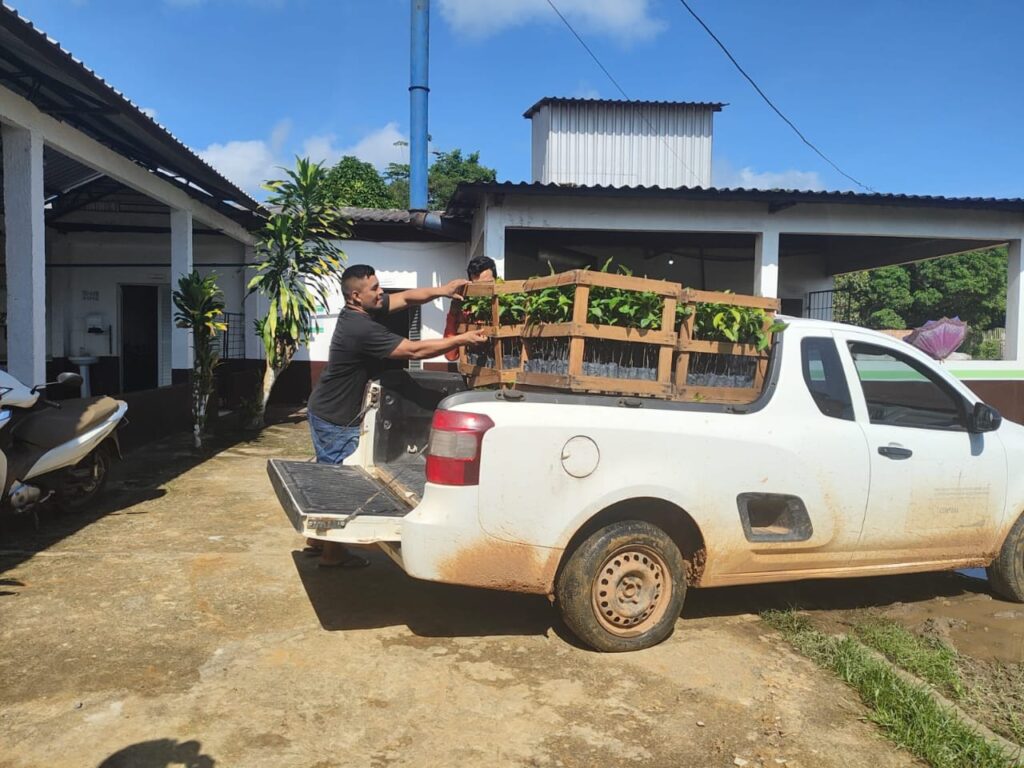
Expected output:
(862, 457)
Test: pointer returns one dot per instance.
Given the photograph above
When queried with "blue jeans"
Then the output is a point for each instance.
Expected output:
(333, 444)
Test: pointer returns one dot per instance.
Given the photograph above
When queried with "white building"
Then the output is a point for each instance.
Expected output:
(103, 210)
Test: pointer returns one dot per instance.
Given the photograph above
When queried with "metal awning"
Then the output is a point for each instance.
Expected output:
(39, 70)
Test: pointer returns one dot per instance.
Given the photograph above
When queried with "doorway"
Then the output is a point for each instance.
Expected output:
(140, 344)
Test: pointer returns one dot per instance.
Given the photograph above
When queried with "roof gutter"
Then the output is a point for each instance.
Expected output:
(431, 221)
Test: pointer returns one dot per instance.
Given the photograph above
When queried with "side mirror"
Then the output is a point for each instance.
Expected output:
(69, 379)
(985, 418)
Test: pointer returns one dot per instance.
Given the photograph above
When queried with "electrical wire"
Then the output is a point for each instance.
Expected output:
(768, 101)
(620, 88)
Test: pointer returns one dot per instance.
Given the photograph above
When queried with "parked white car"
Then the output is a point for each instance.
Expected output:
(862, 457)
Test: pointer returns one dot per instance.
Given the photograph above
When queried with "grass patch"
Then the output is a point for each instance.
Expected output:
(927, 657)
(995, 691)
(907, 713)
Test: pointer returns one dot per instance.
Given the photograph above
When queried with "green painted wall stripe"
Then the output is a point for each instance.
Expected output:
(1008, 375)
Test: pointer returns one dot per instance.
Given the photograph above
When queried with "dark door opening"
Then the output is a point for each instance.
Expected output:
(405, 322)
(140, 345)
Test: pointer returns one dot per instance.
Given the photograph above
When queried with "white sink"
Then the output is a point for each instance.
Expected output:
(83, 362)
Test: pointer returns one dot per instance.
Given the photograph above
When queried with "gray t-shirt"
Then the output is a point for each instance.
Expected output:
(359, 346)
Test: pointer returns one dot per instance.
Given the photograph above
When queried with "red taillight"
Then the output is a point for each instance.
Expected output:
(453, 455)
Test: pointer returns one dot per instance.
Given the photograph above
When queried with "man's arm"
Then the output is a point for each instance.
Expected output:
(418, 296)
(420, 350)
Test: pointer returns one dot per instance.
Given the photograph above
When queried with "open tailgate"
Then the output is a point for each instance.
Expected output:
(339, 503)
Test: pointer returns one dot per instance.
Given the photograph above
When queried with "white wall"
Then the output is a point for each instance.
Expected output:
(399, 265)
(86, 269)
(800, 275)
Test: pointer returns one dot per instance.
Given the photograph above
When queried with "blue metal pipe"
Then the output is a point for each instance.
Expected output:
(418, 92)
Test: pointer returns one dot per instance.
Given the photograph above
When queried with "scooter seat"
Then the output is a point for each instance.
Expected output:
(51, 427)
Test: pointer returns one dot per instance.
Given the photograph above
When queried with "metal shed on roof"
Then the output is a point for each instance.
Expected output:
(595, 142)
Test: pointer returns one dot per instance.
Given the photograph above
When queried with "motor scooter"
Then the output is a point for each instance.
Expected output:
(54, 451)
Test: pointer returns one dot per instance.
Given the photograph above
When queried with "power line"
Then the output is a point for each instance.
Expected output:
(768, 101)
(620, 88)
(587, 49)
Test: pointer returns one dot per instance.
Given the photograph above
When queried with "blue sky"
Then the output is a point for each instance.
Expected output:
(913, 96)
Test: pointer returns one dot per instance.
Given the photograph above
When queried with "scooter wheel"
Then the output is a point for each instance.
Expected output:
(85, 481)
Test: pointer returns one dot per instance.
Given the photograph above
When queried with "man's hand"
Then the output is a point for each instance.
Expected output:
(454, 288)
(473, 337)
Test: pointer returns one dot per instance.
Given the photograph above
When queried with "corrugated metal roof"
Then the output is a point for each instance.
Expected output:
(380, 215)
(714, 105)
(467, 196)
(36, 67)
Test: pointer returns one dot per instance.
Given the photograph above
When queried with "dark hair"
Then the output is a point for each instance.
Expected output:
(481, 264)
(355, 272)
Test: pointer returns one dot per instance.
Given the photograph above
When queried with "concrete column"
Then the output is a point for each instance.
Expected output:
(766, 264)
(1014, 303)
(253, 309)
(181, 264)
(494, 237)
(24, 228)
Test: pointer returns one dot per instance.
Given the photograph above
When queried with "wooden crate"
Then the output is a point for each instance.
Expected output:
(672, 350)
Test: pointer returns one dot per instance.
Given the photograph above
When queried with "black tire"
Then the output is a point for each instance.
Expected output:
(1006, 573)
(623, 588)
(82, 483)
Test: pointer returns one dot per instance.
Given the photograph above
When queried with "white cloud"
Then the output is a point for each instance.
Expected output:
(724, 176)
(250, 162)
(585, 90)
(625, 20)
(148, 112)
(321, 149)
(378, 147)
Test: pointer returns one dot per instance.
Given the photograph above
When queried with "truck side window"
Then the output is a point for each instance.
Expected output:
(824, 377)
(901, 392)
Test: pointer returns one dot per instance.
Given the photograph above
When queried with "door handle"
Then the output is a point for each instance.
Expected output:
(895, 452)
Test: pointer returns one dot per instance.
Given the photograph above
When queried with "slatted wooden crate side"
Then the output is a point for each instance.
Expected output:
(736, 395)
(687, 345)
(692, 296)
(682, 365)
(674, 347)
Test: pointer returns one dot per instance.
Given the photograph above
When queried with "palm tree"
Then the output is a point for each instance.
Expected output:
(299, 260)
(200, 305)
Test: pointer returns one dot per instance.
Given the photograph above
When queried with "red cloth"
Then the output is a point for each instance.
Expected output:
(455, 316)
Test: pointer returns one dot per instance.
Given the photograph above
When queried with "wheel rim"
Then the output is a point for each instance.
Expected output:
(89, 476)
(631, 591)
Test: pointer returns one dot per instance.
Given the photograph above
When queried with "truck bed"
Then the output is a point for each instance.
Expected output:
(346, 504)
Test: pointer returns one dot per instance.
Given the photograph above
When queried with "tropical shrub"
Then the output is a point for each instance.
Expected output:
(200, 309)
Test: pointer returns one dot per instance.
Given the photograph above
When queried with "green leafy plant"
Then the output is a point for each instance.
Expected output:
(725, 322)
(550, 305)
(621, 307)
(299, 259)
(200, 309)
(511, 308)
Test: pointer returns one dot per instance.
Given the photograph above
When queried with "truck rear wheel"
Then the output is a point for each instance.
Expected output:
(623, 588)
(1006, 574)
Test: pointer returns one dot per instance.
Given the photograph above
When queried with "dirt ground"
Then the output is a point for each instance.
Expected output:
(178, 624)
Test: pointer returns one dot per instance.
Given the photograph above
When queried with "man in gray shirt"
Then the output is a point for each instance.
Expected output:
(359, 346)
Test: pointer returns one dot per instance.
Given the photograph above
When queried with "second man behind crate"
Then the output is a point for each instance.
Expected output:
(482, 269)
